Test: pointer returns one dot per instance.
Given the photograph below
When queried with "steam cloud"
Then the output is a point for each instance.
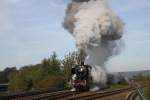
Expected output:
(97, 30)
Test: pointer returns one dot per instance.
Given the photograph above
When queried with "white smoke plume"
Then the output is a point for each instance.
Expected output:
(97, 30)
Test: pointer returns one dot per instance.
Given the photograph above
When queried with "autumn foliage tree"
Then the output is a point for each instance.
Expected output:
(45, 75)
(50, 73)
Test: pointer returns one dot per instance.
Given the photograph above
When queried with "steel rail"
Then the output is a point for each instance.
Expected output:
(95, 95)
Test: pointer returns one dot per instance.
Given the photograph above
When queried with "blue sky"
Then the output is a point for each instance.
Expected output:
(32, 29)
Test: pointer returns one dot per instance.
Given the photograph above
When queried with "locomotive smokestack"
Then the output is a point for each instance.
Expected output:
(97, 30)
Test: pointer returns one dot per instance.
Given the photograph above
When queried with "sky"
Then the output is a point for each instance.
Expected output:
(31, 30)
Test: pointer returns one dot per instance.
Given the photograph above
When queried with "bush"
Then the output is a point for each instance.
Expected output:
(5, 74)
(55, 81)
(19, 83)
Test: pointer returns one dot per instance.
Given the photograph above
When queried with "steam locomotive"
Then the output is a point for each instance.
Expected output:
(81, 77)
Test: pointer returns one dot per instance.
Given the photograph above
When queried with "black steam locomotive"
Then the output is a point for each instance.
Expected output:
(81, 77)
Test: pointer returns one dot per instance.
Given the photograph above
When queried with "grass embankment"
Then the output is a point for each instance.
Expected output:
(116, 86)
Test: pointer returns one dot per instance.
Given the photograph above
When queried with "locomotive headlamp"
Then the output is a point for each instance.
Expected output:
(81, 69)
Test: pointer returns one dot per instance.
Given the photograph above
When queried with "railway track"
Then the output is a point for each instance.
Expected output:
(34, 95)
(136, 95)
(49, 96)
(98, 94)
(66, 95)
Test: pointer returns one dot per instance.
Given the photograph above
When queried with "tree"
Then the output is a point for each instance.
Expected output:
(51, 65)
(39, 76)
(54, 62)
(20, 82)
(46, 74)
(4, 75)
(68, 62)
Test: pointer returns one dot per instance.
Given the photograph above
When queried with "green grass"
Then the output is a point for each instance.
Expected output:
(116, 86)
